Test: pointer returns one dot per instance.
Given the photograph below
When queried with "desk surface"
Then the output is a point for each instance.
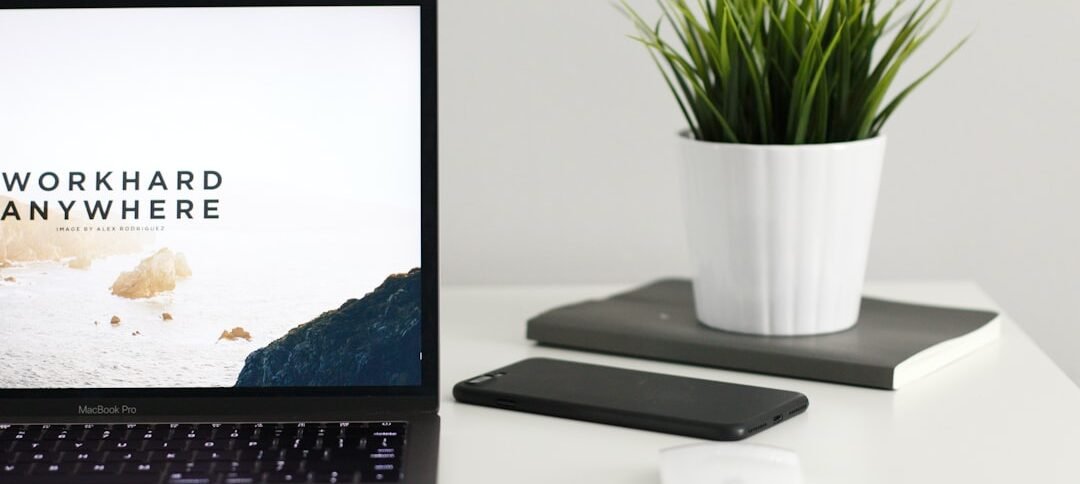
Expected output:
(1003, 414)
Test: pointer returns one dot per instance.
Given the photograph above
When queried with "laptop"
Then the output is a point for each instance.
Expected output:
(218, 241)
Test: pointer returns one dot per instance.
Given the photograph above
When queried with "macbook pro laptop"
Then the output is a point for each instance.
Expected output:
(218, 245)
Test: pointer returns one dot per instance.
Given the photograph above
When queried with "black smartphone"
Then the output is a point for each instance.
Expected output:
(650, 401)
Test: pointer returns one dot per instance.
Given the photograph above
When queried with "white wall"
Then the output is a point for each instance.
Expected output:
(558, 163)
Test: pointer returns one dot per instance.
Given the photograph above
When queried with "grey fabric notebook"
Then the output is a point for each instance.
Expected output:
(893, 344)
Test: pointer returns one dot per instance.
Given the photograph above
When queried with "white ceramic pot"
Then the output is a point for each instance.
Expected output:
(778, 234)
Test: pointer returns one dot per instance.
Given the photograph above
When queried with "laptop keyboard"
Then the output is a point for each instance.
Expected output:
(202, 453)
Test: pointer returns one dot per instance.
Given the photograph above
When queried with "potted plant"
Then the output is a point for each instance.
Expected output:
(785, 102)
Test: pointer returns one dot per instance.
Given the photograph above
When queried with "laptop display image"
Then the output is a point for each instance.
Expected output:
(216, 204)
(218, 215)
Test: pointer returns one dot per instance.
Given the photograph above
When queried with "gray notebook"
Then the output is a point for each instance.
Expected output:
(893, 344)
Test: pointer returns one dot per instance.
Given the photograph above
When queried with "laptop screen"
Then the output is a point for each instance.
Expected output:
(210, 197)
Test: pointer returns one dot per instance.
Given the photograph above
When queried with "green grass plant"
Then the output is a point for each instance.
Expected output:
(788, 71)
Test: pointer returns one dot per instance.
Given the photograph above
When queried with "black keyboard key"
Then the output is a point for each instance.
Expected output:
(348, 443)
(237, 467)
(388, 427)
(90, 479)
(77, 446)
(17, 433)
(319, 455)
(105, 432)
(380, 476)
(214, 455)
(278, 477)
(122, 456)
(61, 469)
(35, 457)
(269, 455)
(299, 454)
(333, 477)
(276, 431)
(193, 432)
(282, 466)
(152, 432)
(198, 467)
(384, 467)
(189, 478)
(145, 468)
(31, 432)
(256, 455)
(219, 445)
(173, 445)
(120, 445)
(306, 442)
(55, 432)
(99, 468)
(380, 457)
(81, 457)
(343, 466)
(235, 433)
(171, 456)
(353, 429)
(378, 441)
(251, 444)
(241, 478)
(246, 433)
(14, 469)
(291, 429)
(32, 446)
(351, 455)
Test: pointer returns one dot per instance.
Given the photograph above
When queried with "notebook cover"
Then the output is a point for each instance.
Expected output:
(657, 321)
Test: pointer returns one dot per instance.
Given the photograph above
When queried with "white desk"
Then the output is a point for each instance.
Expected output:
(1005, 414)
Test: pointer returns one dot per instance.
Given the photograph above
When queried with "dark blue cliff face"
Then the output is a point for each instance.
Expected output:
(372, 341)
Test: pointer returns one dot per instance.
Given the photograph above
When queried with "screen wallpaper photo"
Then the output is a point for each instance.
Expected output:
(207, 198)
